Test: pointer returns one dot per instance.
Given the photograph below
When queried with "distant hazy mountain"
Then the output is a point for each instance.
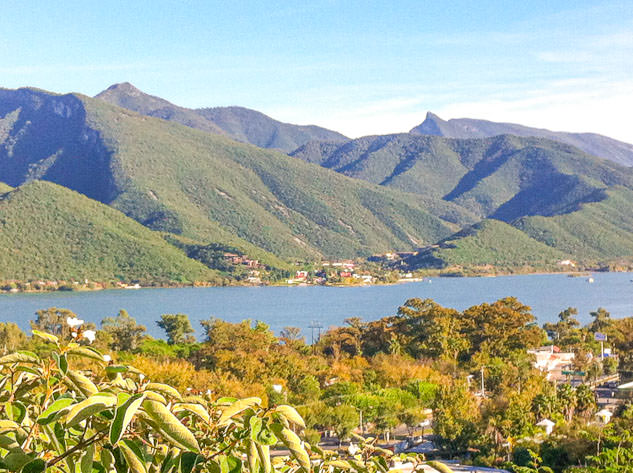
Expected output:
(207, 187)
(592, 143)
(241, 124)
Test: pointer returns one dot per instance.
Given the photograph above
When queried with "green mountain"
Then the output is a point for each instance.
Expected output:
(591, 143)
(50, 232)
(490, 242)
(557, 194)
(597, 231)
(207, 187)
(241, 124)
(504, 177)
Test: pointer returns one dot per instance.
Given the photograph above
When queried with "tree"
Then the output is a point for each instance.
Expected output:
(412, 418)
(11, 337)
(177, 327)
(585, 400)
(433, 331)
(565, 327)
(502, 327)
(53, 321)
(601, 320)
(623, 342)
(343, 419)
(455, 416)
(568, 400)
(126, 334)
(291, 334)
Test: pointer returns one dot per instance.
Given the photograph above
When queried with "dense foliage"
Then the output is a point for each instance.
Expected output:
(68, 236)
(490, 244)
(465, 374)
(70, 408)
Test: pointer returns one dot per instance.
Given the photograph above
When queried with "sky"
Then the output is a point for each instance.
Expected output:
(358, 67)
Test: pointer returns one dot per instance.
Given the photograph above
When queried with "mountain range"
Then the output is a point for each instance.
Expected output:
(591, 143)
(238, 123)
(221, 175)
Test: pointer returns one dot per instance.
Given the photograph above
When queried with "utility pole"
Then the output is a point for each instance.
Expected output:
(315, 324)
(483, 388)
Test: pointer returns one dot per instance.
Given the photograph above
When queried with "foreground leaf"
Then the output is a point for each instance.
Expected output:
(237, 407)
(293, 443)
(85, 386)
(126, 408)
(89, 407)
(170, 426)
(291, 414)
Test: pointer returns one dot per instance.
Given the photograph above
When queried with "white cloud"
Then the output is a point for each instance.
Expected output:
(578, 106)
(574, 104)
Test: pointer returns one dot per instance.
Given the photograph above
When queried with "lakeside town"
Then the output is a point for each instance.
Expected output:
(387, 268)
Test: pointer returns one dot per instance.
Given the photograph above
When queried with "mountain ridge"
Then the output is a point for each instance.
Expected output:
(240, 123)
(205, 186)
(591, 143)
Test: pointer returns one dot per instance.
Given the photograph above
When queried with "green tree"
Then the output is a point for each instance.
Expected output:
(502, 327)
(433, 331)
(568, 400)
(455, 418)
(11, 337)
(125, 333)
(53, 321)
(343, 419)
(585, 400)
(565, 327)
(601, 320)
(177, 327)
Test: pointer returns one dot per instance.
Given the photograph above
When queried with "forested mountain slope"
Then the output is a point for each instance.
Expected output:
(51, 232)
(207, 187)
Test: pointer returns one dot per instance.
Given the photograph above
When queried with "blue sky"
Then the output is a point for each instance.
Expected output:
(358, 67)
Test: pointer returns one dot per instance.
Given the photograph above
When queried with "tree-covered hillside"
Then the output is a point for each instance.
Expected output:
(207, 187)
(597, 231)
(504, 177)
(50, 232)
(489, 243)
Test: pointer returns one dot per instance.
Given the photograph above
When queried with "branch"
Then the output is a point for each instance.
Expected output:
(79, 446)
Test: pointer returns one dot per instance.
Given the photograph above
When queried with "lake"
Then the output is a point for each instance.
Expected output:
(326, 306)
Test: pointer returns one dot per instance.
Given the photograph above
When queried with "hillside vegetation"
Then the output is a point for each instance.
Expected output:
(50, 232)
(504, 177)
(540, 200)
(207, 187)
(600, 230)
(489, 243)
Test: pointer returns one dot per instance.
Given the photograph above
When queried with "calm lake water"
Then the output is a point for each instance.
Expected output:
(300, 306)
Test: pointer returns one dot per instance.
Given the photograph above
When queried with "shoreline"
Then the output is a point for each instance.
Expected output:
(418, 279)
